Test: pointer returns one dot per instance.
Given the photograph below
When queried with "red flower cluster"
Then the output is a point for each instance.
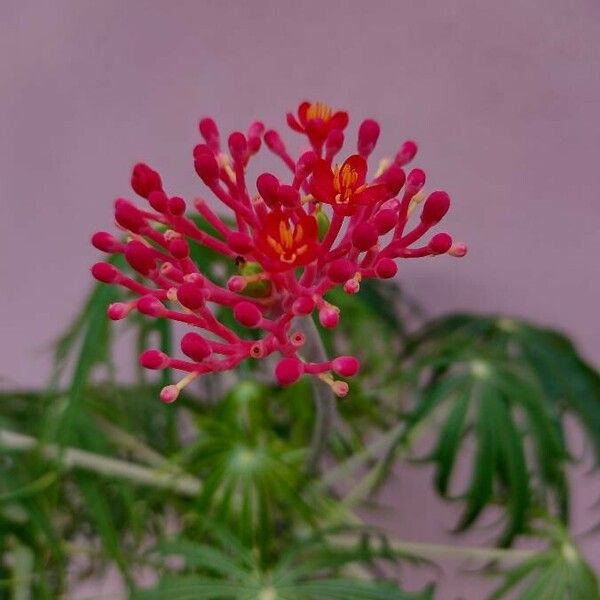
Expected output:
(288, 247)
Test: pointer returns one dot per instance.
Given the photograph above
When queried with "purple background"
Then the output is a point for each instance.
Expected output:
(502, 97)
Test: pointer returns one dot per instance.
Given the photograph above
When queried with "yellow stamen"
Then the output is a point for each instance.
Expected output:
(319, 110)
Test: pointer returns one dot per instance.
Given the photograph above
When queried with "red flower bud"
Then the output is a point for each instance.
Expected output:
(105, 242)
(153, 359)
(176, 206)
(207, 167)
(329, 317)
(341, 270)
(267, 186)
(394, 179)
(240, 242)
(128, 216)
(435, 207)
(303, 306)
(346, 366)
(238, 147)
(158, 201)
(288, 196)
(247, 314)
(210, 132)
(334, 142)
(440, 243)
(105, 272)
(118, 310)
(364, 236)
(368, 134)
(288, 371)
(385, 220)
(406, 153)
(179, 249)
(169, 394)
(145, 180)
(140, 257)
(191, 296)
(151, 306)
(195, 346)
(386, 268)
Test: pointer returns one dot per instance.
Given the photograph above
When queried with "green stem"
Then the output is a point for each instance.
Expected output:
(22, 570)
(74, 458)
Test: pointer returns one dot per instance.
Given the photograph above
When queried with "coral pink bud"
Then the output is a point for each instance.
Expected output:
(151, 306)
(386, 268)
(364, 236)
(352, 286)
(179, 249)
(153, 359)
(340, 388)
(303, 306)
(176, 206)
(288, 370)
(368, 134)
(341, 269)
(191, 296)
(394, 179)
(435, 207)
(140, 257)
(267, 186)
(128, 216)
(385, 220)
(145, 180)
(458, 250)
(247, 314)
(158, 201)
(238, 147)
(236, 284)
(274, 142)
(415, 181)
(169, 394)
(329, 317)
(440, 243)
(240, 242)
(255, 132)
(345, 366)
(195, 346)
(207, 167)
(288, 196)
(105, 242)
(210, 132)
(406, 153)
(105, 272)
(118, 310)
(334, 142)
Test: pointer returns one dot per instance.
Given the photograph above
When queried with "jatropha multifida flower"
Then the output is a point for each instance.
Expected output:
(289, 242)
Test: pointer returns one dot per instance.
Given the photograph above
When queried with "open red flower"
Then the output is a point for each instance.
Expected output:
(344, 187)
(288, 245)
(317, 120)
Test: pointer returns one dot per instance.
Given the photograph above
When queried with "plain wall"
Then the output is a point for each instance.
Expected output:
(503, 98)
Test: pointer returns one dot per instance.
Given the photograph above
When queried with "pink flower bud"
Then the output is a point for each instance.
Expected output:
(394, 179)
(238, 147)
(105, 242)
(267, 186)
(440, 243)
(415, 181)
(169, 394)
(255, 132)
(288, 196)
(128, 216)
(458, 250)
(158, 201)
(236, 284)
(105, 272)
(364, 236)
(386, 268)
(368, 134)
(247, 314)
(345, 366)
(435, 207)
(195, 346)
(288, 370)
(151, 306)
(385, 220)
(210, 132)
(303, 306)
(406, 153)
(352, 286)
(176, 206)
(329, 317)
(306, 162)
(154, 359)
(118, 310)
(340, 388)
(239, 242)
(191, 296)
(140, 257)
(334, 142)
(341, 270)
(274, 142)
(179, 249)
(144, 180)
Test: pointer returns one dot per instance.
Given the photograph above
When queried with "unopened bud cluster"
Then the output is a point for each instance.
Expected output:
(290, 241)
